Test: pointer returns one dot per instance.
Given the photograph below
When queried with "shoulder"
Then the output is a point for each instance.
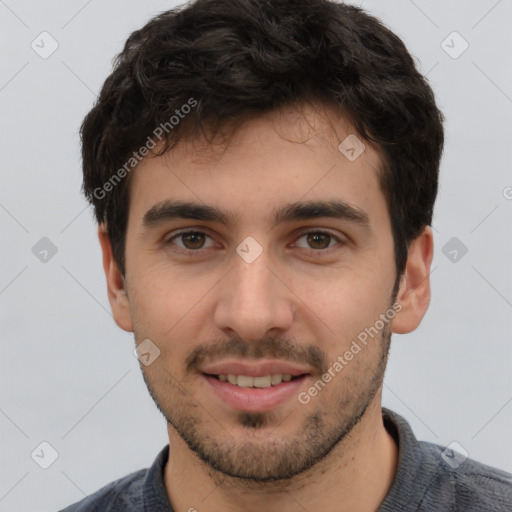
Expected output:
(124, 495)
(471, 485)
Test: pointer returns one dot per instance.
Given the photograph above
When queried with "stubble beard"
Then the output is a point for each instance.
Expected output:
(272, 459)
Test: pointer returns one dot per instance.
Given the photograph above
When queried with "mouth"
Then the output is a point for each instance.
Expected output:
(254, 385)
(249, 393)
(262, 382)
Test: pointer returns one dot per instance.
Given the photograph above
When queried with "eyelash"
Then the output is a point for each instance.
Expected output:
(197, 252)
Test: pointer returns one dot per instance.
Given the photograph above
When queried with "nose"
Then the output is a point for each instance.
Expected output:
(254, 300)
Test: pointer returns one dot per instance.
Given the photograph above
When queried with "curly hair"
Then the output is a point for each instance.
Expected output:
(230, 60)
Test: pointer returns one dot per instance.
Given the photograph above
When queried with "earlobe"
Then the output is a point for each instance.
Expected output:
(117, 295)
(414, 292)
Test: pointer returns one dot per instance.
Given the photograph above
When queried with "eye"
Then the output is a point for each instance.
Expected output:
(191, 240)
(318, 240)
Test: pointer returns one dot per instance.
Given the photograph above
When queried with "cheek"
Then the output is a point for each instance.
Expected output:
(169, 309)
(165, 295)
(345, 303)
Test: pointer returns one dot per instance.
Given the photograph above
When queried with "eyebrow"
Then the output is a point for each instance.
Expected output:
(170, 210)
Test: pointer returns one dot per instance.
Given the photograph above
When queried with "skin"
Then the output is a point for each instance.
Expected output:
(300, 294)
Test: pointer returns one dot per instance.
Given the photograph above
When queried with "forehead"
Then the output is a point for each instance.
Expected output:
(273, 160)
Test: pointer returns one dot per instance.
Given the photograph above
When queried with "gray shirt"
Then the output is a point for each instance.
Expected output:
(429, 478)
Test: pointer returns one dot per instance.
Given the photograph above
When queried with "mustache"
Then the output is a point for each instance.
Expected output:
(267, 348)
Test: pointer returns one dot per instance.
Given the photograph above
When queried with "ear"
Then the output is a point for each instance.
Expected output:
(414, 291)
(117, 295)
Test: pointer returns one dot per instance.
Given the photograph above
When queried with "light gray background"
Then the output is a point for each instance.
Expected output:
(68, 374)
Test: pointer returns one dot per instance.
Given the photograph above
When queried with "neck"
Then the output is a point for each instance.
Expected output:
(355, 477)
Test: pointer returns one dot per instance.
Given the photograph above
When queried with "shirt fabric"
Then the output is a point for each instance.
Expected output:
(427, 480)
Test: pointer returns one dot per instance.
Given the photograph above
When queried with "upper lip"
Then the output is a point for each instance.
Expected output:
(255, 369)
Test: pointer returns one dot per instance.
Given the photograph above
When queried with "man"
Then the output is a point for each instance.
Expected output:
(264, 173)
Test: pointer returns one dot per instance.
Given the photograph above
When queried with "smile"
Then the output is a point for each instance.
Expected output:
(246, 381)
(254, 394)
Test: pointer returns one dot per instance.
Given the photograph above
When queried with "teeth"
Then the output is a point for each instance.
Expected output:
(262, 382)
(276, 379)
(245, 381)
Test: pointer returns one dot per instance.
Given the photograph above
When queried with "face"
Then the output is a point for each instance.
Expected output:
(257, 284)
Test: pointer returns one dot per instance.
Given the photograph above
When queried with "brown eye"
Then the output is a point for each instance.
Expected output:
(193, 240)
(318, 240)
(189, 241)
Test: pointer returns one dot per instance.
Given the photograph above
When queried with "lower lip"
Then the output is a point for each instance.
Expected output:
(255, 399)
